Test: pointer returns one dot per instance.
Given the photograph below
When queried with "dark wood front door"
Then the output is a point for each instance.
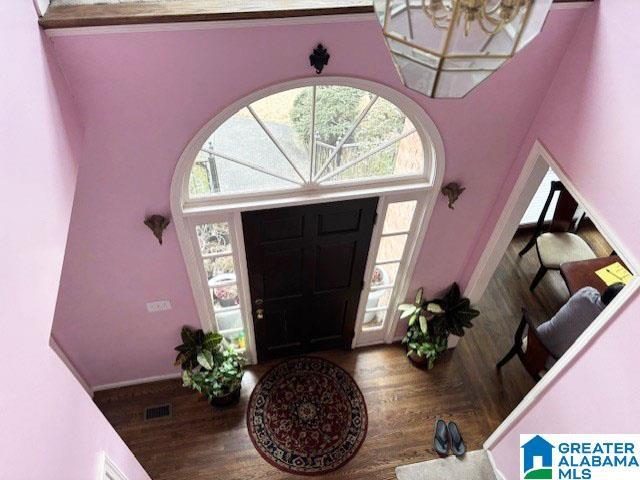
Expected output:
(306, 266)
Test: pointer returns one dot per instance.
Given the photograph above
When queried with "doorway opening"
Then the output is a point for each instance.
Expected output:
(551, 277)
(302, 144)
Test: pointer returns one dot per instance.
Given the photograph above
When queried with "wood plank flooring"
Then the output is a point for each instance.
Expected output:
(198, 442)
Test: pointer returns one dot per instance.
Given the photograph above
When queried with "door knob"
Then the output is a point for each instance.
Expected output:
(260, 313)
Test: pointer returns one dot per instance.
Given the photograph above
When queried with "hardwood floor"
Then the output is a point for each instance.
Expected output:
(403, 402)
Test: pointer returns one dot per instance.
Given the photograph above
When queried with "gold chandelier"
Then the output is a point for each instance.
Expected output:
(444, 48)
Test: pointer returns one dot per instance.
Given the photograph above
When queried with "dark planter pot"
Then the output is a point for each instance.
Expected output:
(418, 361)
(228, 302)
(226, 400)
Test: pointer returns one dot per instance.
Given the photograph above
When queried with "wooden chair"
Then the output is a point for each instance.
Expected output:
(555, 243)
(529, 348)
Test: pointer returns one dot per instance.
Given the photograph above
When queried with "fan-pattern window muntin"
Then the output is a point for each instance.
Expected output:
(309, 136)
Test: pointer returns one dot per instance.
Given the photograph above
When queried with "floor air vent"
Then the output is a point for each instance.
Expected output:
(159, 411)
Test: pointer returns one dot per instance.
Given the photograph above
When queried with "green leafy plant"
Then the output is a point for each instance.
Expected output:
(339, 107)
(422, 346)
(209, 364)
(432, 321)
(193, 343)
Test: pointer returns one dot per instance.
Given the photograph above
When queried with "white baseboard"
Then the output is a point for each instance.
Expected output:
(137, 381)
(492, 461)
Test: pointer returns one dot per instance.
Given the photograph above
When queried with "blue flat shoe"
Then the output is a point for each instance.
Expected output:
(441, 438)
(457, 443)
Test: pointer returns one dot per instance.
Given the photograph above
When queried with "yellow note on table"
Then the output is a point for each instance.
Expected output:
(614, 273)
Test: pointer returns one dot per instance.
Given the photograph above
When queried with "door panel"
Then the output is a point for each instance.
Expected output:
(282, 228)
(282, 274)
(338, 222)
(327, 320)
(283, 332)
(306, 266)
(328, 277)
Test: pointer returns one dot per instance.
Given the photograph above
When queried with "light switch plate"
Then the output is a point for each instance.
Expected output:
(159, 306)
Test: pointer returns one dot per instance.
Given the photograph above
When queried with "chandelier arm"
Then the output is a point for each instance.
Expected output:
(433, 14)
(489, 14)
(491, 11)
(495, 31)
(441, 27)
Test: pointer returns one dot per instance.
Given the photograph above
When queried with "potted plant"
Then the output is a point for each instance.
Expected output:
(432, 321)
(226, 296)
(379, 278)
(210, 366)
(223, 289)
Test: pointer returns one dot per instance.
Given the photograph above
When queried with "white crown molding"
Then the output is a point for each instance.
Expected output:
(69, 364)
(211, 25)
(41, 6)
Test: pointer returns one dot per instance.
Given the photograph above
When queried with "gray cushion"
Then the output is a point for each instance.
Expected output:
(557, 248)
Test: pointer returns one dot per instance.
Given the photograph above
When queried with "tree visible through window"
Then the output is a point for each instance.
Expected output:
(311, 135)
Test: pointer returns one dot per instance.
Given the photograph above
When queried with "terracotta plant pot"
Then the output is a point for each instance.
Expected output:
(226, 400)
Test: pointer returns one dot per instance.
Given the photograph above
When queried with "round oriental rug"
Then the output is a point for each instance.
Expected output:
(307, 416)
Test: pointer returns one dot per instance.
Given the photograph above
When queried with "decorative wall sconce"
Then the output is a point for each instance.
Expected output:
(319, 58)
(452, 191)
(157, 224)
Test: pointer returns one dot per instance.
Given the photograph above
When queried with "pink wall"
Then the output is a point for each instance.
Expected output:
(50, 427)
(144, 95)
(589, 123)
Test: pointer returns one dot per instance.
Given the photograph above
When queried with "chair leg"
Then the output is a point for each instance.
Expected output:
(528, 246)
(512, 353)
(536, 280)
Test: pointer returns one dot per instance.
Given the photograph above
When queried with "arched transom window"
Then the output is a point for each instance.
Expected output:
(316, 136)
(311, 141)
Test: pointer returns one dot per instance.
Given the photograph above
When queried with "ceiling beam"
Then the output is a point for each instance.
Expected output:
(59, 15)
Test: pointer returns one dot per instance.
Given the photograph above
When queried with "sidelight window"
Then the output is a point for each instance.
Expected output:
(220, 270)
(389, 259)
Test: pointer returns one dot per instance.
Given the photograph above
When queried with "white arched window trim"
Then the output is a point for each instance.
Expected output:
(187, 213)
